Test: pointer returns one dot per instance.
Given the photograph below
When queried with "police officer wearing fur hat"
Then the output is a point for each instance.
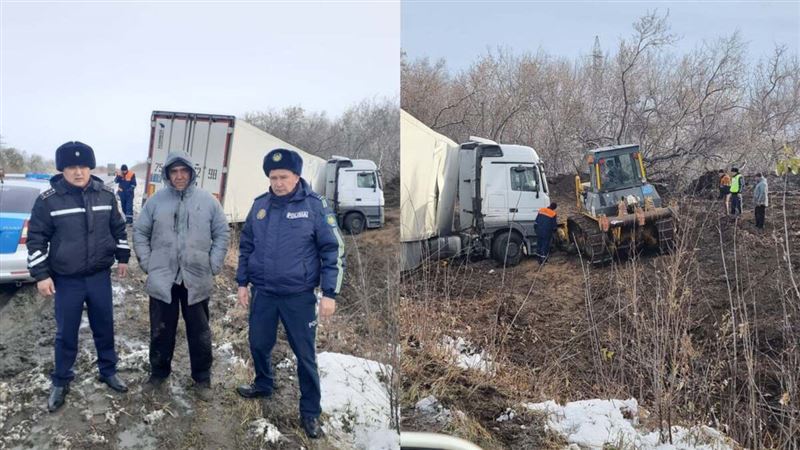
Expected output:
(290, 245)
(75, 233)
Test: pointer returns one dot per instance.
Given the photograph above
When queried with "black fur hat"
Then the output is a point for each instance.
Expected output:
(74, 153)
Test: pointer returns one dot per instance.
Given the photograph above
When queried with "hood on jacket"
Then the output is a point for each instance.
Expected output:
(177, 156)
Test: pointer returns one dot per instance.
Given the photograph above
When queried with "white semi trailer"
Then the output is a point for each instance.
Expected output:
(228, 152)
(479, 197)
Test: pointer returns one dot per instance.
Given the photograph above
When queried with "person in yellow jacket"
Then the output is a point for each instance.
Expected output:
(737, 184)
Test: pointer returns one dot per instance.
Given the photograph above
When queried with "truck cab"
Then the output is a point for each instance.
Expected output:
(355, 190)
(501, 189)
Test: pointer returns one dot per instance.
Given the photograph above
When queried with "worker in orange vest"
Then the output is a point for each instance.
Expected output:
(725, 188)
(126, 182)
(545, 226)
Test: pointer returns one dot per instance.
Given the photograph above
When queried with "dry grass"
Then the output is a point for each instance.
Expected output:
(706, 334)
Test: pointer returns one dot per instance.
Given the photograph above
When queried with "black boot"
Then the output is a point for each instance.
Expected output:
(153, 385)
(57, 396)
(251, 391)
(312, 427)
(202, 390)
(114, 383)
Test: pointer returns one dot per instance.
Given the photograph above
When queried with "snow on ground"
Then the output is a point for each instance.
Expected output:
(596, 423)
(356, 402)
(466, 355)
(265, 431)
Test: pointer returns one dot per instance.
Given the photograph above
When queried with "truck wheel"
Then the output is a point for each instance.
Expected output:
(507, 249)
(354, 223)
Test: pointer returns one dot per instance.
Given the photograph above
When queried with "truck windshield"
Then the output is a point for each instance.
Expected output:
(366, 180)
(524, 178)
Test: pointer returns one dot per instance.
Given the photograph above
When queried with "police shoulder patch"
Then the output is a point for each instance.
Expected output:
(321, 198)
(47, 193)
(331, 220)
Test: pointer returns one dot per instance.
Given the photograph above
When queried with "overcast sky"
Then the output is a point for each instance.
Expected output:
(459, 33)
(95, 71)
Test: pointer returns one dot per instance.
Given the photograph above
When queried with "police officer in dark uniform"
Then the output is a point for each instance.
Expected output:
(126, 186)
(290, 244)
(75, 233)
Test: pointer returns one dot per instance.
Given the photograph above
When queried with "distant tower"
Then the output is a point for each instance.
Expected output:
(597, 53)
(597, 62)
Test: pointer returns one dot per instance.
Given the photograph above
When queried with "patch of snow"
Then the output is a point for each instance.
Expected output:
(595, 423)
(430, 407)
(467, 356)
(380, 440)
(265, 431)
(356, 401)
(285, 364)
(135, 360)
(509, 414)
(96, 438)
(154, 416)
(226, 350)
(118, 292)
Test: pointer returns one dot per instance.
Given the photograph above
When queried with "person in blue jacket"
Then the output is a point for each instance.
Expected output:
(289, 246)
(74, 236)
(126, 185)
(545, 226)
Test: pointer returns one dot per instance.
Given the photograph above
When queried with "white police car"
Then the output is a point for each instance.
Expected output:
(17, 195)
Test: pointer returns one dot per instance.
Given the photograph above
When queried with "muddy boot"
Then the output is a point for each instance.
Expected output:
(153, 385)
(202, 390)
(251, 391)
(312, 427)
(57, 396)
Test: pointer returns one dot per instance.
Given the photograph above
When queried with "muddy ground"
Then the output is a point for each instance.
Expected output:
(96, 417)
(568, 331)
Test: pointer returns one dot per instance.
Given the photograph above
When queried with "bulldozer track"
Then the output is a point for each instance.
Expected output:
(666, 234)
(591, 241)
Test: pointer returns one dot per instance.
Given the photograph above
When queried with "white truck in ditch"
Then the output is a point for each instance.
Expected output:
(477, 198)
(228, 153)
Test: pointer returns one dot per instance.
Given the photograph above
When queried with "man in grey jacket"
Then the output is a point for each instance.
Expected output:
(180, 239)
(761, 200)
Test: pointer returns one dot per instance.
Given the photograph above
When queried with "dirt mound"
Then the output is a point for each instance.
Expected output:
(705, 185)
(391, 193)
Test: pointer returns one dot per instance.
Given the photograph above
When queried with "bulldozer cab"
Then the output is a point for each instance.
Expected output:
(615, 174)
(615, 168)
(619, 211)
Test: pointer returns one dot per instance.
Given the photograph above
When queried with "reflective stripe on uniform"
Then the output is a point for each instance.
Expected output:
(61, 212)
(101, 208)
(339, 260)
(33, 255)
(37, 261)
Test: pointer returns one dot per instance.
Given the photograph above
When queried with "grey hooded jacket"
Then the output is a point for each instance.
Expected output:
(761, 193)
(183, 230)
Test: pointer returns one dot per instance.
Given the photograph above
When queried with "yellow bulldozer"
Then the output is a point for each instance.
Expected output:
(619, 212)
